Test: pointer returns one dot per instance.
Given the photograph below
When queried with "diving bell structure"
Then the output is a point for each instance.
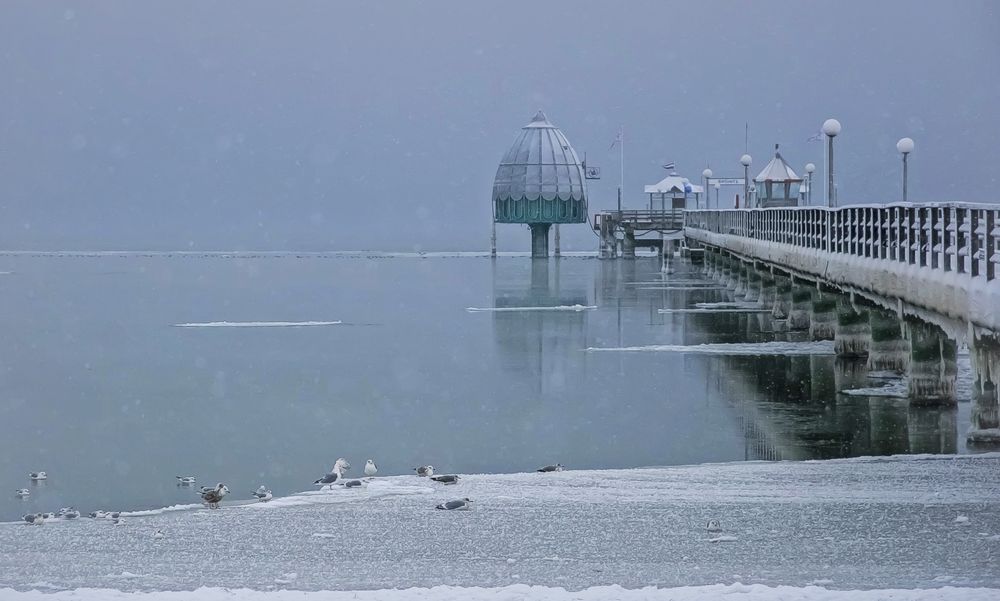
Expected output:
(540, 182)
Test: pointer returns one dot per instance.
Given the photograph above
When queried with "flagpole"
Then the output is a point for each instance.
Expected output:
(621, 164)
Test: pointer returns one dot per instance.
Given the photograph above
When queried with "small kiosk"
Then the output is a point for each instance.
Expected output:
(777, 185)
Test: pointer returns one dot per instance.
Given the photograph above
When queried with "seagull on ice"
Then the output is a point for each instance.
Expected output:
(263, 494)
(22, 492)
(353, 483)
(445, 479)
(185, 480)
(34, 518)
(424, 470)
(370, 468)
(336, 474)
(37, 476)
(714, 526)
(214, 496)
(465, 503)
(159, 534)
(68, 513)
(551, 468)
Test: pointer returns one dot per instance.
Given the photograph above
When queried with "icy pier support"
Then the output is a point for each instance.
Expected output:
(888, 350)
(823, 318)
(729, 272)
(768, 291)
(753, 285)
(798, 316)
(783, 298)
(628, 244)
(853, 332)
(933, 370)
(741, 279)
(540, 240)
(984, 353)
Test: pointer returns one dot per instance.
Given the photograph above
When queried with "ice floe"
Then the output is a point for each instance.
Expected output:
(256, 324)
(819, 347)
(517, 309)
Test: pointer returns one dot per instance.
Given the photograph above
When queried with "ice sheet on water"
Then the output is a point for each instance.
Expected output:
(819, 347)
(895, 389)
(256, 324)
(517, 309)
(727, 305)
(723, 310)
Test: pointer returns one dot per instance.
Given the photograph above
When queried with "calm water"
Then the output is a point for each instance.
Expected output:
(98, 387)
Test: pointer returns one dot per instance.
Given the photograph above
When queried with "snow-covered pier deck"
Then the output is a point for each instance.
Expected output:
(936, 257)
(818, 527)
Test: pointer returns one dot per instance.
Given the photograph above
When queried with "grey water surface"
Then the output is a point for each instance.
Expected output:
(99, 388)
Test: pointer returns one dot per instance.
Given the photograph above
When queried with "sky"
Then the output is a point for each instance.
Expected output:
(379, 125)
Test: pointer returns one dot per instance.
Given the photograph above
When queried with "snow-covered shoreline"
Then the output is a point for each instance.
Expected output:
(517, 592)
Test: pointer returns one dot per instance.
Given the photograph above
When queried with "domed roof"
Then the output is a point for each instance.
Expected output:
(540, 164)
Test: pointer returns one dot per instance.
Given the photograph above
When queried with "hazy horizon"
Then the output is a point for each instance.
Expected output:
(323, 127)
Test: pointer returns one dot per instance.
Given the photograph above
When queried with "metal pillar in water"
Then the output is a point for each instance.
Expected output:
(540, 240)
(556, 236)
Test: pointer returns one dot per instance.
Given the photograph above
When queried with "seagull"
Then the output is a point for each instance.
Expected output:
(424, 470)
(446, 479)
(465, 503)
(353, 483)
(22, 492)
(551, 468)
(158, 534)
(336, 474)
(68, 513)
(714, 526)
(370, 468)
(99, 514)
(214, 497)
(185, 480)
(34, 518)
(36, 476)
(263, 494)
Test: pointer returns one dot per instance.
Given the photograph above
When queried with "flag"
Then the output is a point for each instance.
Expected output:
(670, 165)
(816, 137)
(618, 139)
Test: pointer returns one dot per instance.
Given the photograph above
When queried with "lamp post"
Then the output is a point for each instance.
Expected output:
(831, 127)
(717, 186)
(707, 174)
(905, 147)
(745, 160)
(809, 189)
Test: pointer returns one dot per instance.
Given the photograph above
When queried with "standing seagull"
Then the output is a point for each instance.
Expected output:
(263, 494)
(336, 474)
(370, 468)
(37, 476)
(424, 470)
(465, 503)
(214, 496)
(551, 468)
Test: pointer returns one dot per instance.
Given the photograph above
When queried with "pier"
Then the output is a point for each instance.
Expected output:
(903, 285)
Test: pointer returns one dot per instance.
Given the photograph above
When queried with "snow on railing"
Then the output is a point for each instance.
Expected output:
(958, 237)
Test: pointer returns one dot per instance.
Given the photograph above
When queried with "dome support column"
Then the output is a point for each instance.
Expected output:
(540, 240)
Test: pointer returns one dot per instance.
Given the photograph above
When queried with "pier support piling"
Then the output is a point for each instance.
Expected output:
(888, 350)
(984, 354)
(540, 240)
(933, 368)
(853, 332)
(798, 315)
(823, 318)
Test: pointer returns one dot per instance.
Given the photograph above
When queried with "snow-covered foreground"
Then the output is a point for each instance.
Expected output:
(517, 592)
(809, 530)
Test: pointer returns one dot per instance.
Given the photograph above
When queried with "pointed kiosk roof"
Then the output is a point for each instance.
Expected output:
(777, 170)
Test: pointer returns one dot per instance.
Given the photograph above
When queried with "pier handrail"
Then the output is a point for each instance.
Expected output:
(950, 237)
